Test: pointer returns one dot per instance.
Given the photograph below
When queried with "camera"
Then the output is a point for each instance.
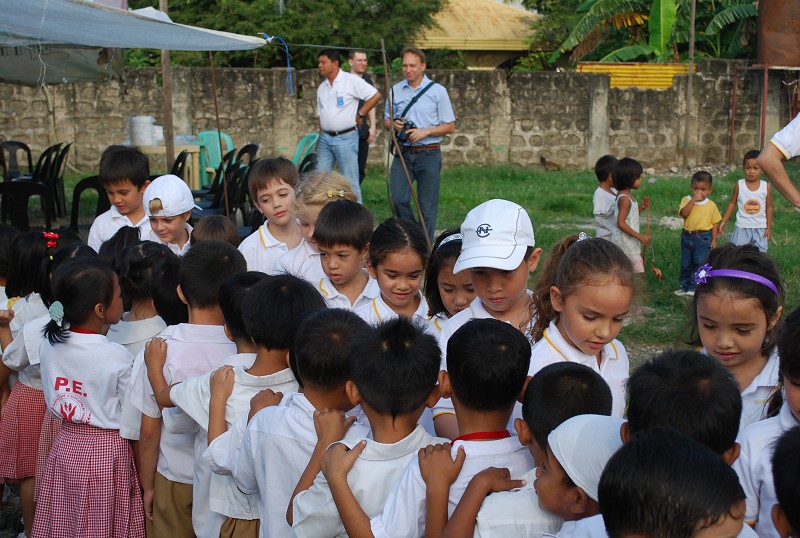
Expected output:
(402, 136)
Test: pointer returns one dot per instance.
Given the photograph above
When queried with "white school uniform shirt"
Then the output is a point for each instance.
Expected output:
(174, 247)
(754, 467)
(594, 527)
(787, 140)
(334, 299)
(275, 451)
(614, 365)
(191, 350)
(26, 309)
(377, 311)
(85, 379)
(22, 354)
(193, 397)
(404, 512)
(261, 250)
(302, 262)
(133, 335)
(515, 513)
(603, 209)
(107, 224)
(372, 477)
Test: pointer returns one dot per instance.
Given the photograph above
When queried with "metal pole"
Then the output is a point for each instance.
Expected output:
(166, 75)
(689, 82)
(219, 136)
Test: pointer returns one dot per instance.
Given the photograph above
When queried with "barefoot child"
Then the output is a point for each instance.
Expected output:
(627, 177)
(753, 196)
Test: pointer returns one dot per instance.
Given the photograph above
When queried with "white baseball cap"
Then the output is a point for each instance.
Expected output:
(495, 234)
(175, 195)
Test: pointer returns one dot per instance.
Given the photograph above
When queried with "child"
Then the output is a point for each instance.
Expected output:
(498, 249)
(89, 484)
(397, 256)
(168, 203)
(342, 233)
(215, 228)
(487, 364)
(113, 249)
(700, 229)
(604, 197)
(394, 372)
(556, 393)
(786, 474)
(271, 184)
(447, 294)
(7, 235)
(125, 174)
(753, 465)
(166, 467)
(582, 298)
(282, 449)
(313, 192)
(665, 484)
(627, 176)
(754, 199)
(736, 309)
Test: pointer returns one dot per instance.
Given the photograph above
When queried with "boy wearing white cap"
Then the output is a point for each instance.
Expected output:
(498, 248)
(168, 203)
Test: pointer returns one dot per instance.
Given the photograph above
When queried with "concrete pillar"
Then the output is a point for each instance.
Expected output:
(772, 120)
(597, 137)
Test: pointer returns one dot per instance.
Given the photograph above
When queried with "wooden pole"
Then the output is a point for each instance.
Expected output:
(689, 88)
(166, 75)
(219, 136)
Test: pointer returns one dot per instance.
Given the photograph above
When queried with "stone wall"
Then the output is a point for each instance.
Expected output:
(569, 118)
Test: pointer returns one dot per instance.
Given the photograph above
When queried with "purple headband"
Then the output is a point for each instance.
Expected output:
(705, 272)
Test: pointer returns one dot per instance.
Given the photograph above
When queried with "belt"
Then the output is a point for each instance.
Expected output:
(337, 133)
(429, 147)
(695, 232)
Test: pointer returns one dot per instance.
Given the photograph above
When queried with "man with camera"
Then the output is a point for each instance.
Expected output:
(422, 115)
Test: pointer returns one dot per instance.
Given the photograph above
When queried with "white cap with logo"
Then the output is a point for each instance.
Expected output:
(175, 195)
(496, 234)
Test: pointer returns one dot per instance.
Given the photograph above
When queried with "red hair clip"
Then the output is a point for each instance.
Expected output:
(52, 239)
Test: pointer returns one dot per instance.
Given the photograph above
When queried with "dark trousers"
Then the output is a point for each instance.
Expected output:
(424, 168)
(694, 251)
(363, 152)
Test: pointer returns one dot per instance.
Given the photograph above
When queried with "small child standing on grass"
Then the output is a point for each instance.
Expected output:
(754, 198)
(627, 176)
(604, 197)
(700, 230)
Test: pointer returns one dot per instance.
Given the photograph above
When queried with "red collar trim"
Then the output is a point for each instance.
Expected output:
(483, 436)
(82, 331)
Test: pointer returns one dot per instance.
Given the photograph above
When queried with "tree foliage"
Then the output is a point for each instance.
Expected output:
(336, 23)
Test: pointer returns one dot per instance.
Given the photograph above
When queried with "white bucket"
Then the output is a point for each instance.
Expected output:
(141, 130)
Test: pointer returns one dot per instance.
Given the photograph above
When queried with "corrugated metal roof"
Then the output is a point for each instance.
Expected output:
(636, 75)
(478, 25)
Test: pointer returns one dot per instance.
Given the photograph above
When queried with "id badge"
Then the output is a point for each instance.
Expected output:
(340, 101)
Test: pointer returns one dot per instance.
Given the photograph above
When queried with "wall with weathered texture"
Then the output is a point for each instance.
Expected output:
(569, 118)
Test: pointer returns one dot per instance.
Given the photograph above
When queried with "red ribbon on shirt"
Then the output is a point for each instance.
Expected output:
(483, 436)
(82, 331)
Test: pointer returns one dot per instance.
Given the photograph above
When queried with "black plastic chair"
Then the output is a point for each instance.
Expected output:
(17, 194)
(179, 166)
(249, 151)
(13, 147)
(212, 190)
(43, 165)
(235, 176)
(55, 180)
(309, 164)
(103, 204)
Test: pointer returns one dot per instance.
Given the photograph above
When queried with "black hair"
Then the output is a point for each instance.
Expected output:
(138, 271)
(323, 346)
(743, 258)
(217, 228)
(7, 235)
(575, 263)
(487, 361)
(789, 357)
(272, 308)
(166, 300)
(395, 235)
(333, 55)
(55, 242)
(29, 251)
(561, 391)
(663, 484)
(688, 391)
(231, 297)
(204, 269)
(395, 367)
(752, 154)
(344, 222)
(702, 177)
(112, 251)
(625, 173)
(62, 254)
(124, 163)
(786, 475)
(441, 255)
(79, 284)
(604, 167)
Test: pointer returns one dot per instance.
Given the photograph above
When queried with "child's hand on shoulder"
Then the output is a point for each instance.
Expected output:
(331, 425)
(155, 354)
(338, 460)
(263, 399)
(494, 479)
(221, 382)
(5, 317)
(437, 467)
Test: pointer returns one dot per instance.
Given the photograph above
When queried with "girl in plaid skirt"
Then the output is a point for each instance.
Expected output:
(89, 487)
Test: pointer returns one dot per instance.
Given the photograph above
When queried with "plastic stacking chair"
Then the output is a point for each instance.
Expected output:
(13, 148)
(179, 166)
(17, 194)
(306, 145)
(43, 165)
(55, 180)
(103, 205)
(210, 156)
(249, 152)
(309, 164)
(212, 189)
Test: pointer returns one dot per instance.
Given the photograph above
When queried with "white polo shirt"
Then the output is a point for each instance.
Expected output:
(275, 451)
(755, 397)
(594, 527)
(613, 367)
(372, 477)
(404, 512)
(26, 309)
(133, 335)
(302, 262)
(107, 224)
(334, 299)
(174, 247)
(261, 250)
(337, 103)
(787, 140)
(22, 354)
(754, 467)
(377, 311)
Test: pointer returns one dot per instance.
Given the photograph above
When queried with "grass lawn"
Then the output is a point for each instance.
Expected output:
(560, 203)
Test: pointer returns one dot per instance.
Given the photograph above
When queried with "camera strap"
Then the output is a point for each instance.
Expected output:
(414, 100)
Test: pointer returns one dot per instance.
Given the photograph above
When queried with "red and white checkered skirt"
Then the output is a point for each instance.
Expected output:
(50, 426)
(19, 432)
(89, 487)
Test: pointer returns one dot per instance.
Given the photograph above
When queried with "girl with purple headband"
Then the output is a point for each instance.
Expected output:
(737, 306)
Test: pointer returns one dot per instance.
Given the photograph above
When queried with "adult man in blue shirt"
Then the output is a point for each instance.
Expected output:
(432, 117)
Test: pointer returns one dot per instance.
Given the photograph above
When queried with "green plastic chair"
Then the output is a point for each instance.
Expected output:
(210, 156)
(304, 147)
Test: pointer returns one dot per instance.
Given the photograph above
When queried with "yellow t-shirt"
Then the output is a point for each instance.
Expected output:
(703, 217)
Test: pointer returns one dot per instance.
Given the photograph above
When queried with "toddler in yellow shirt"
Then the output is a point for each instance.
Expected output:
(700, 229)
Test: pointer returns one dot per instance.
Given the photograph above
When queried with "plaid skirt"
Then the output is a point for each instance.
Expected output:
(50, 426)
(89, 487)
(19, 432)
